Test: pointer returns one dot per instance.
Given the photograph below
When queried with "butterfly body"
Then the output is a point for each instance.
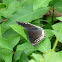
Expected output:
(35, 33)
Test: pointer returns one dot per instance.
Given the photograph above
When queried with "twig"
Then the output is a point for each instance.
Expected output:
(3, 21)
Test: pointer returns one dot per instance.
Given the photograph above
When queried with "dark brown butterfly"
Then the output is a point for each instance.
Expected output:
(35, 33)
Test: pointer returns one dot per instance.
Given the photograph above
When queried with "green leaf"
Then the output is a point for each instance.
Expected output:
(59, 18)
(27, 47)
(40, 3)
(58, 5)
(23, 58)
(2, 6)
(10, 42)
(0, 31)
(8, 33)
(56, 34)
(57, 26)
(56, 57)
(26, 44)
(32, 60)
(26, 2)
(37, 22)
(47, 26)
(44, 45)
(7, 2)
(4, 28)
(27, 51)
(49, 19)
(25, 14)
(1, 18)
(13, 40)
(12, 7)
(37, 57)
(7, 55)
(1, 58)
(17, 55)
(56, 30)
(49, 33)
(19, 29)
(55, 44)
(5, 44)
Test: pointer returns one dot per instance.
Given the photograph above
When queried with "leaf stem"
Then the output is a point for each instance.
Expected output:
(55, 44)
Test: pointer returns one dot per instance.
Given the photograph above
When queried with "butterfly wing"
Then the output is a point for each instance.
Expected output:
(35, 33)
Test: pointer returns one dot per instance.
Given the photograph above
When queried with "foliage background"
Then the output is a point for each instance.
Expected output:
(14, 42)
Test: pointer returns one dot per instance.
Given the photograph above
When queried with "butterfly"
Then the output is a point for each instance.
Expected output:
(35, 33)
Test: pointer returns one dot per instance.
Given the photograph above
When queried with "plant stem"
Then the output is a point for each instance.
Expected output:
(55, 44)
(53, 16)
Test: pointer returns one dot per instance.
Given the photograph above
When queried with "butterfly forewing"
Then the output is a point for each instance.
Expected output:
(35, 33)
